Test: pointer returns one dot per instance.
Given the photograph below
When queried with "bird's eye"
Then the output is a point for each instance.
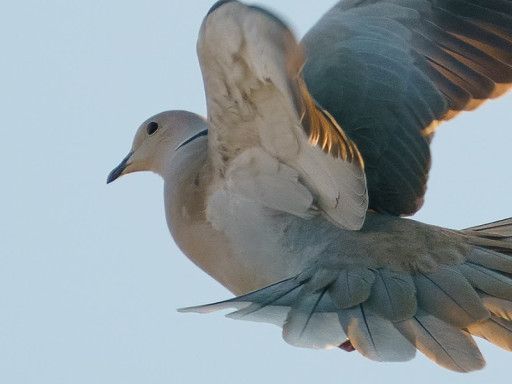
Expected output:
(151, 128)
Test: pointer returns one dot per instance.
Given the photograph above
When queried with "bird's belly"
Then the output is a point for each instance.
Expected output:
(261, 250)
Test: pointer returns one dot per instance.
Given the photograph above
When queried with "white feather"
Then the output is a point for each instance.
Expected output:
(252, 84)
(261, 177)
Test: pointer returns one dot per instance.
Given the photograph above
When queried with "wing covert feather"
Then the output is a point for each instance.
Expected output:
(251, 66)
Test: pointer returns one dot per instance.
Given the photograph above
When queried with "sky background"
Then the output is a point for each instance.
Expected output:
(89, 276)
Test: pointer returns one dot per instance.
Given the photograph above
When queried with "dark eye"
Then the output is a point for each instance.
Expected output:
(151, 128)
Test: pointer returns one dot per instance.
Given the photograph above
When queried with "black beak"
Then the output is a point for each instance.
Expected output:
(118, 171)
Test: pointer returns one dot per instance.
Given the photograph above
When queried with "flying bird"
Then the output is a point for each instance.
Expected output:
(292, 192)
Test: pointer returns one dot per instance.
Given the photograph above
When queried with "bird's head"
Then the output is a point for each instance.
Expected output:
(156, 141)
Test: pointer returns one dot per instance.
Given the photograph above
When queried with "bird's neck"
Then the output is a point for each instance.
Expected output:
(186, 181)
(187, 184)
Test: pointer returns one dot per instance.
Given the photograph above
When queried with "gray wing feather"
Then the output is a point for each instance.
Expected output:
(499, 307)
(390, 70)
(488, 281)
(447, 295)
(393, 295)
(491, 259)
(373, 336)
(311, 318)
(385, 314)
(312, 322)
(352, 287)
(446, 345)
(496, 330)
(282, 293)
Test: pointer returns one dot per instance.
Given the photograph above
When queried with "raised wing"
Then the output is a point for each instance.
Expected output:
(264, 125)
(390, 70)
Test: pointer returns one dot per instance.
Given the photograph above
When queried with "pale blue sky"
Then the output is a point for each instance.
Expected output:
(89, 276)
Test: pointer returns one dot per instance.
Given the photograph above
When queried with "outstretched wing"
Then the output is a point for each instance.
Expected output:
(263, 121)
(389, 71)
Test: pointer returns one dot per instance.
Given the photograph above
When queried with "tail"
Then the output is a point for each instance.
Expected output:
(388, 315)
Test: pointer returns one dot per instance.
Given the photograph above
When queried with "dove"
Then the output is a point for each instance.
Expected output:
(293, 192)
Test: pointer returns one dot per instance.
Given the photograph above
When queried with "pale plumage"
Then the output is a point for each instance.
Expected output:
(270, 194)
(253, 102)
